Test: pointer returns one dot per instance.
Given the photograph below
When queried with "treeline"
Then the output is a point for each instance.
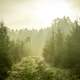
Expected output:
(11, 52)
(62, 50)
(59, 46)
(17, 44)
(36, 38)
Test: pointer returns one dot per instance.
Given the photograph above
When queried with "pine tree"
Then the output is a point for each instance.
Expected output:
(52, 52)
(59, 47)
(5, 63)
(72, 56)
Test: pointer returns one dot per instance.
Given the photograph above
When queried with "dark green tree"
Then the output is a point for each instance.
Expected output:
(59, 47)
(16, 51)
(19, 49)
(53, 50)
(72, 56)
(5, 63)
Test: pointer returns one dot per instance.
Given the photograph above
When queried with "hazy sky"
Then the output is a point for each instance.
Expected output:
(36, 13)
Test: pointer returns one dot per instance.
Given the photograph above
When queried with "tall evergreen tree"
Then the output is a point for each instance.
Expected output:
(59, 47)
(72, 56)
(54, 48)
(5, 63)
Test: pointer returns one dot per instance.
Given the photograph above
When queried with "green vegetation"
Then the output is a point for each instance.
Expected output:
(5, 63)
(47, 54)
(65, 52)
(33, 68)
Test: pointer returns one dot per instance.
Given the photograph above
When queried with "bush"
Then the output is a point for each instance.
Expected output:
(33, 68)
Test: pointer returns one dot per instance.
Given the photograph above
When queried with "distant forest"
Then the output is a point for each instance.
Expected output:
(35, 39)
(52, 53)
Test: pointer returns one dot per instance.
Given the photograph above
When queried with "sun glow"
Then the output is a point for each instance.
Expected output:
(37, 14)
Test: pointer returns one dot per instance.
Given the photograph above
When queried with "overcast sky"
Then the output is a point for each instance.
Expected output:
(36, 13)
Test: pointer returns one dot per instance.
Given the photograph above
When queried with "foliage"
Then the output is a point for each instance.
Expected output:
(36, 39)
(65, 53)
(33, 68)
(5, 63)
(55, 45)
(61, 52)
(49, 49)
(72, 55)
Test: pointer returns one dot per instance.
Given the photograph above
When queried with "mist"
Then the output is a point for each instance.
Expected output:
(39, 40)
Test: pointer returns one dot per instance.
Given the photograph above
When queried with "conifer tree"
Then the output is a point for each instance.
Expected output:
(5, 63)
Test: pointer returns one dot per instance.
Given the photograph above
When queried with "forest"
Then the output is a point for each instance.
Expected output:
(51, 53)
